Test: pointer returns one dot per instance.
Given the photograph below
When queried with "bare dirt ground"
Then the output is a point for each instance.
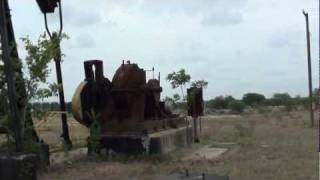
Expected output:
(273, 145)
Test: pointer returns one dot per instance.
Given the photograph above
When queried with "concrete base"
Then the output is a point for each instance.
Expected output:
(154, 143)
(19, 167)
(166, 141)
(205, 153)
(191, 177)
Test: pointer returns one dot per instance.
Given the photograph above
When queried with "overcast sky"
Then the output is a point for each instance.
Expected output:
(238, 46)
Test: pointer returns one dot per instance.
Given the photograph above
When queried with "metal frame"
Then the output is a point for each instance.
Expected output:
(60, 19)
(8, 68)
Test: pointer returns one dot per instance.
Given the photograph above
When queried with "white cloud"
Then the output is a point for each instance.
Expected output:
(80, 18)
(238, 46)
(85, 41)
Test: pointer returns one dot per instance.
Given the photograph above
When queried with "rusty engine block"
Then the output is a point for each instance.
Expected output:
(126, 105)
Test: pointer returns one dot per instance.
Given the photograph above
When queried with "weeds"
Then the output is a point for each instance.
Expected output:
(264, 110)
(95, 131)
(238, 133)
(244, 135)
(264, 150)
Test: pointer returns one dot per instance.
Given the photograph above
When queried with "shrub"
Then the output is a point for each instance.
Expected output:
(264, 110)
(236, 106)
(244, 135)
(283, 99)
(253, 99)
(220, 102)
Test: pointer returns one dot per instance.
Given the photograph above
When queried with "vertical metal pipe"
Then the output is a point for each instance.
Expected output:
(195, 122)
(57, 60)
(8, 68)
(65, 128)
(46, 25)
(203, 176)
(200, 124)
(309, 68)
(60, 17)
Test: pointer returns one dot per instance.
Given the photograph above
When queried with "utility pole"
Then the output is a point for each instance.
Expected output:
(319, 86)
(309, 68)
(8, 69)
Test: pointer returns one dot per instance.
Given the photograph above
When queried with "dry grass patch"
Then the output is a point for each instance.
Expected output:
(275, 145)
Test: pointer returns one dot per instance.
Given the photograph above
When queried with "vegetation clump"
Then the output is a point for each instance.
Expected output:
(236, 106)
(31, 86)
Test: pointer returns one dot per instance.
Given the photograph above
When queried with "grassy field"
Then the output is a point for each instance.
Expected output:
(50, 128)
(272, 145)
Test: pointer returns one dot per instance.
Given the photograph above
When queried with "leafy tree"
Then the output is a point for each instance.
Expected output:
(174, 100)
(228, 99)
(220, 102)
(216, 103)
(39, 55)
(304, 101)
(253, 99)
(179, 79)
(282, 99)
(176, 97)
(169, 102)
(199, 84)
(236, 106)
(279, 99)
(297, 101)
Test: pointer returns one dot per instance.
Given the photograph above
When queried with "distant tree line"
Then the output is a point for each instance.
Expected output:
(255, 100)
(48, 106)
(249, 100)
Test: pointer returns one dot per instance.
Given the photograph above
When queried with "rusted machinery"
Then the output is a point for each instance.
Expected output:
(195, 102)
(195, 109)
(128, 107)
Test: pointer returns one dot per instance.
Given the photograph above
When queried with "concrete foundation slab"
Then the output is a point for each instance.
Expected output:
(19, 167)
(206, 152)
(154, 143)
(191, 177)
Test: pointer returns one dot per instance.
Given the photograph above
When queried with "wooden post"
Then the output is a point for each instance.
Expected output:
(195, 123)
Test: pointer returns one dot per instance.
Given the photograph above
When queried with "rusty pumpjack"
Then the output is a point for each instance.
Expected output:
(129, 108)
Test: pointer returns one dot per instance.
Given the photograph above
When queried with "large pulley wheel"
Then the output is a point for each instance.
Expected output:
(77, 109)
